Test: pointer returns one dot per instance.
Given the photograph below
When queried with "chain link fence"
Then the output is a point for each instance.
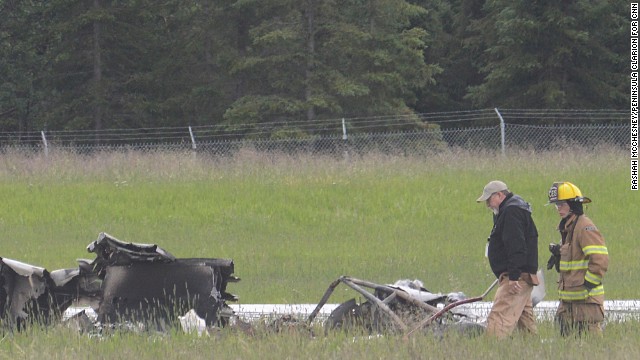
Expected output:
(511, 129)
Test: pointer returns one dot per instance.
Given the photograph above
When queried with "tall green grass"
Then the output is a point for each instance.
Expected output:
(620, 342)
(293, 224)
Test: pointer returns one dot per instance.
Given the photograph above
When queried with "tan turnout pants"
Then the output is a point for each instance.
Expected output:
(511, 311)
(577, 318)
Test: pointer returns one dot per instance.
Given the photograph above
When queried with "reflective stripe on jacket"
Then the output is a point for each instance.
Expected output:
(583, 258)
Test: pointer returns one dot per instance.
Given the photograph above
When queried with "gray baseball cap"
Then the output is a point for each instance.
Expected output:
(492, 187)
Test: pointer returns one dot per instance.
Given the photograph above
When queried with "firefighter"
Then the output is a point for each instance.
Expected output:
(582, 259)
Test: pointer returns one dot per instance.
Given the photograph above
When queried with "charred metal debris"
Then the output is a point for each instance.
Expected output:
(143, 287)
(125, 283)
(404, 307)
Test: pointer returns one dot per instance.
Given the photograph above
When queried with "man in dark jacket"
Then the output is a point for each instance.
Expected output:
(513, 257)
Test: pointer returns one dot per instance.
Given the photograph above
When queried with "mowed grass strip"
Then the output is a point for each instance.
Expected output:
(293, 224)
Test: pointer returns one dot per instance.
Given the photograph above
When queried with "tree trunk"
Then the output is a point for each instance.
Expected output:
(311, 49)
(97, 75)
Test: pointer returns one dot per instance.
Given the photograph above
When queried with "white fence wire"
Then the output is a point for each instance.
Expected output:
(493, 129)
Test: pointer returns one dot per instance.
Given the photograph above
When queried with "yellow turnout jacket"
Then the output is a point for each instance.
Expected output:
(583, 259)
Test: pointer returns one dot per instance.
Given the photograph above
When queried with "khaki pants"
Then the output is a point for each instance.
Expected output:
(511, 311)
(577, 318)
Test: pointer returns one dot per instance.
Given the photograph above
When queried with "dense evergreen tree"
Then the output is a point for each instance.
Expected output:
(202, 41)
(23, 64)
(318, 59)
(99, 64)
(453, 49)
(551, 54)
(102, 55)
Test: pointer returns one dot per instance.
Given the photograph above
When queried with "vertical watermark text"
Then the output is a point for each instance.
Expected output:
(634, 96)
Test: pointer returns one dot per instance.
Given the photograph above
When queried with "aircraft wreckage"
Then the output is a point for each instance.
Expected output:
(129, 283)
(406, 307)
(125, 282)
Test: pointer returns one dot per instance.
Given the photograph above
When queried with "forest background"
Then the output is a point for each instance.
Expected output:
(93, 65)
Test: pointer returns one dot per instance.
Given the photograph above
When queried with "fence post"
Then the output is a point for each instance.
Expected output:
(345, 153)
(344, 130)
(501, 130)
(45, 144)
(193, 141)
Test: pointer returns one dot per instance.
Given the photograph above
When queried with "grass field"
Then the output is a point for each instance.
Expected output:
(294, 224)
(619, 343)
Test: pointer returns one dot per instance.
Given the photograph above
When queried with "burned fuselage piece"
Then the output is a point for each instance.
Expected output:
(146, 283)
(125, 282)
(24, 293)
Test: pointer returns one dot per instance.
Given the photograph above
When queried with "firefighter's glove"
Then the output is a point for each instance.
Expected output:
(589, 285)
(554, 260)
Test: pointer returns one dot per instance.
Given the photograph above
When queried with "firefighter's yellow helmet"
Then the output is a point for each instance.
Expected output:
(566, 191)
